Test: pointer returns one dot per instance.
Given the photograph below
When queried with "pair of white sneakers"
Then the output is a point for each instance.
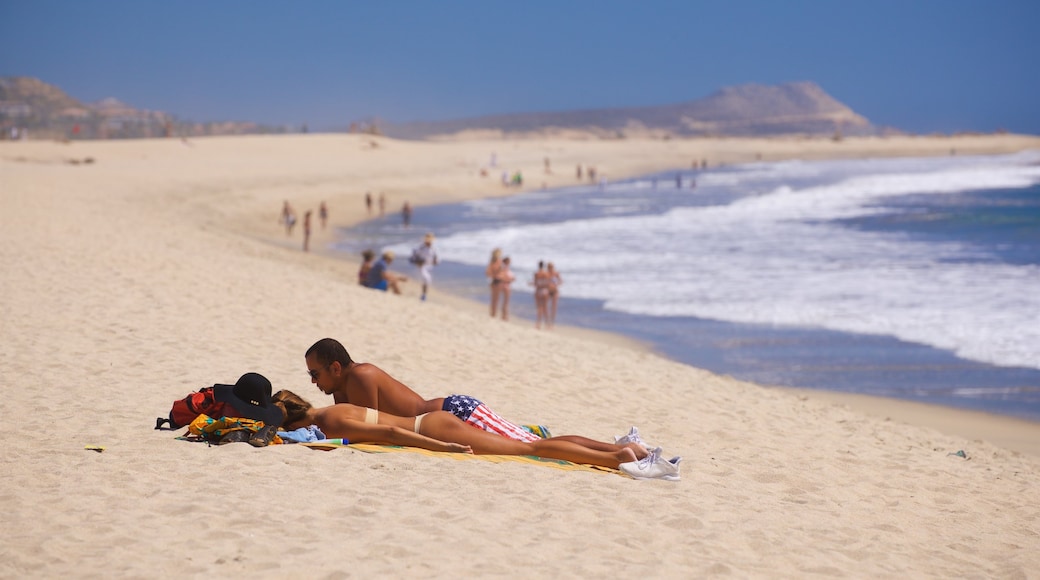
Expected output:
(653, 466)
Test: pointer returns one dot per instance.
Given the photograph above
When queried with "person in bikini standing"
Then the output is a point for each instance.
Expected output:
(505, 279)
(541, 295)
(554, 293)
(493, 268)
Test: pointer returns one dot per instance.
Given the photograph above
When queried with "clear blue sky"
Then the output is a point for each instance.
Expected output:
(919, 65)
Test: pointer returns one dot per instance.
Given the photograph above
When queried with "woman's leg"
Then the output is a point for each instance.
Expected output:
(494, 299)
(639, 450)
(444, 426)
(505, 303)
(539, 302)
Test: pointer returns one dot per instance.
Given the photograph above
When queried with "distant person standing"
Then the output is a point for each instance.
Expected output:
(307, 230)
(288, 218)
(368, 202)
(323, 214)
(578, 172)
(541, 295)
(424, 257)
(491, 272)
(554, 293)
(406, 214)
(505, 280)
(382, 204)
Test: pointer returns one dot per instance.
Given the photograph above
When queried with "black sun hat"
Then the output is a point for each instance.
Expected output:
(250, 397)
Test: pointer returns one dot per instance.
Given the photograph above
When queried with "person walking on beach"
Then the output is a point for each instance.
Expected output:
(424, 257)
(381, 278)
(541, 295)
(323, 214)
(505, 277)
(406, 214)
(288, 218)
(307, 230)
(554, 292)
(382, 204)
(334, 373)
(491, 272)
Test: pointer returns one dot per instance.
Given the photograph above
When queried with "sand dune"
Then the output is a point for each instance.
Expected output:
(159, 267)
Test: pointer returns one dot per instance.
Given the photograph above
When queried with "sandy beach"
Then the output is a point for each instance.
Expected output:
(135, 272)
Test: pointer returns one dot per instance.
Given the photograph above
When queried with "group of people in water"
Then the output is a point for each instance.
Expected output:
(373, 407)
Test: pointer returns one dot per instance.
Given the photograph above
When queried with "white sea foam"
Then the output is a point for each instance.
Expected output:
(777, 258)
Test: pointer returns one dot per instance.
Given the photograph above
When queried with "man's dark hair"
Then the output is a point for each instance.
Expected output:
(328, 351)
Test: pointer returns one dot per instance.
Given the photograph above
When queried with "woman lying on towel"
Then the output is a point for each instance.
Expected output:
(442, 431)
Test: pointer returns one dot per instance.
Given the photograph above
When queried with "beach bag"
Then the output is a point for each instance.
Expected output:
(249, 398)
(185, 410)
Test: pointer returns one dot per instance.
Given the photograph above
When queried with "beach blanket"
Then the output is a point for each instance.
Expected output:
(330, 444)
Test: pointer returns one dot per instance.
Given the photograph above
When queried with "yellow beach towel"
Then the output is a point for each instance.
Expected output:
(330, 444)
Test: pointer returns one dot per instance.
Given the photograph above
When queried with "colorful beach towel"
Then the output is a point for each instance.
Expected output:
(206, 428)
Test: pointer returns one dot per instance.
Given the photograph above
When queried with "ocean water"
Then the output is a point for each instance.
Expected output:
(912, 278)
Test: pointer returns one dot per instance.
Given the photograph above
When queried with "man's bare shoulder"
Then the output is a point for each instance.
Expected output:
(366, 370)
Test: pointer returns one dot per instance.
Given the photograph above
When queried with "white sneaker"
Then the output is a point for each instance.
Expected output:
(631, 437)
(653, 466)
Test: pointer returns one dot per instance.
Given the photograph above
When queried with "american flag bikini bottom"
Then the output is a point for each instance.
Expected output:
(478, 414)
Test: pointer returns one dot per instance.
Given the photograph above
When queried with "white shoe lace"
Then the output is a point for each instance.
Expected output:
(650, 459)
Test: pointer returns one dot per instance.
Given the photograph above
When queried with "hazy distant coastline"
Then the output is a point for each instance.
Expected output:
(33, 109)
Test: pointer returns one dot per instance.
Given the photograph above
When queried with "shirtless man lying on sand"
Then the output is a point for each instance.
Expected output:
(366, 385)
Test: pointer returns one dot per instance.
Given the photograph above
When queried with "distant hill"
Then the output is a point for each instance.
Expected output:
(44, 111)
(747, 110)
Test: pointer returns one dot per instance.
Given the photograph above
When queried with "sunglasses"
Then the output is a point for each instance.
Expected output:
(314, 373)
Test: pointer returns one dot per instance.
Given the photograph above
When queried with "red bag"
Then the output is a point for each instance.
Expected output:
(185, 410)
(249, 398)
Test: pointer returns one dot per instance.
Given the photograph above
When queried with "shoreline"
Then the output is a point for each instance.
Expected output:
(1011, 433)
